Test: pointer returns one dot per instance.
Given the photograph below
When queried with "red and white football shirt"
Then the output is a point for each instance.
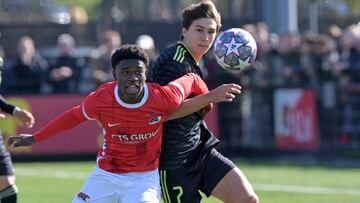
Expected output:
(132, 132)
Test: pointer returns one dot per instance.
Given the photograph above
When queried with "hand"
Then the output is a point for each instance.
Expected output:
(21, 140)
(61, 73)
(225, 93)
(65, 72)
(2, 116)
(24, 116)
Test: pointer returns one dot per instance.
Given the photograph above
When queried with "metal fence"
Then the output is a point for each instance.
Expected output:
(249, 122)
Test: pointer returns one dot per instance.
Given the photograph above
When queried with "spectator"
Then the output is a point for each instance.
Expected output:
(147, 43)
(65, 72)
(290, 68)
(100, 63)
(27, 71)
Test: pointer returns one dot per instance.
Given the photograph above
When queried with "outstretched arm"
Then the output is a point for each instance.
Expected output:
(223, 93)
(65, 121)
(21, 114)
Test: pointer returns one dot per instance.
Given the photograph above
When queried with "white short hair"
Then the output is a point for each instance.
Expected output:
(145, 42)
(67, 39)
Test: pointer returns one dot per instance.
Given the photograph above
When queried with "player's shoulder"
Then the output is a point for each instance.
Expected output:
(163, 97)
(106, 88)
(175, 54)
(154, 87)
(158, 91)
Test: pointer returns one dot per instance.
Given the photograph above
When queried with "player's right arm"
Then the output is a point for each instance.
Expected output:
(63, 122)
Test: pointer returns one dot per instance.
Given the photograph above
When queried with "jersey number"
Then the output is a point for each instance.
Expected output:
(180, 193)
(165, 193)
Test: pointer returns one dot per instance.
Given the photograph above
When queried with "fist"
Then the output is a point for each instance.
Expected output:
(21, 140)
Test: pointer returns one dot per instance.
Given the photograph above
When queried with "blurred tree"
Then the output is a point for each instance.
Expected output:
(354, 6)
(92, 7)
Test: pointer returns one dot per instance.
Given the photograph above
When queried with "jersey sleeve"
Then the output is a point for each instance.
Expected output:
(179, 89)
(70, 119)
(5, 106)
(191, 84)
(89, 106)
(63, 122)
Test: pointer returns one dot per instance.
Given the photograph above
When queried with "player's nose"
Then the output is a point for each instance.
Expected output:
(205, 37)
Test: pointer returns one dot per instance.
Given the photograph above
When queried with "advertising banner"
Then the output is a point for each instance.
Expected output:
(295, 118)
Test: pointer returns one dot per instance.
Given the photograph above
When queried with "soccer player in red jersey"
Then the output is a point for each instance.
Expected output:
(132, 113)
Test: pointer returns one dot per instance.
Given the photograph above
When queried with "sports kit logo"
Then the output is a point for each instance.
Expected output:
(155, 120)
(83, 196)
(135, 138)
(110, 125)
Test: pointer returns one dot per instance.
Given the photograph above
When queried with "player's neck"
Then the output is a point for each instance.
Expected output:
(196, 58)
(131, 99)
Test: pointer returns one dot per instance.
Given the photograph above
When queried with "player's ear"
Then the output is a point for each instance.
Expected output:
(183, 31)
(114, 74)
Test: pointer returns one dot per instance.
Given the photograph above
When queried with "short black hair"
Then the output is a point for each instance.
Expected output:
(129, 51)
(203, 9)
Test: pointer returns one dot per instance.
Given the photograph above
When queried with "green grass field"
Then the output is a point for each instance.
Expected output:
(274, 183)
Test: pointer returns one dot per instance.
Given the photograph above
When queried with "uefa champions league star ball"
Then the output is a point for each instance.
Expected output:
(235, 49)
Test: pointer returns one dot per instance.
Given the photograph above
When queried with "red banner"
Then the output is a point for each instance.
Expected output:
(295, 119)
(83, 139)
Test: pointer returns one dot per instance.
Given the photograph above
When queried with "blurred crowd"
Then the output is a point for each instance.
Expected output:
(290, 59)
(327, 62)
(33, 71)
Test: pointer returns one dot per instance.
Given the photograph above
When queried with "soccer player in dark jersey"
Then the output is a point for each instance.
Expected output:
(8, 189)
(131, 113)
(189, 161)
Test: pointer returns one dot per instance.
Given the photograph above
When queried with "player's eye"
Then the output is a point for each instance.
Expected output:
(125, 72)
(199, 30)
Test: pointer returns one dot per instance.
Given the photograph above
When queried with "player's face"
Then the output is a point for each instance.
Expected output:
(199, 37)
(130, 76)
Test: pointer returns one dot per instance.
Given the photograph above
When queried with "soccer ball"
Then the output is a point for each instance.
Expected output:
(235, 49)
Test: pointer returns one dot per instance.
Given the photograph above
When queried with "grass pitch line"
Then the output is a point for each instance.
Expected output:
(50, 173)
(21, 171)
(305, 189)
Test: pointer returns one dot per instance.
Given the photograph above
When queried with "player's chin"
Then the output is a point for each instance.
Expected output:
(133, 90)
(202, 50)
(133, 94)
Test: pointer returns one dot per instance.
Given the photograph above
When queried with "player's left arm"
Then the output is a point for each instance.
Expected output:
(178, 90)
(223, 93)
(199, 87)
(190, 84)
